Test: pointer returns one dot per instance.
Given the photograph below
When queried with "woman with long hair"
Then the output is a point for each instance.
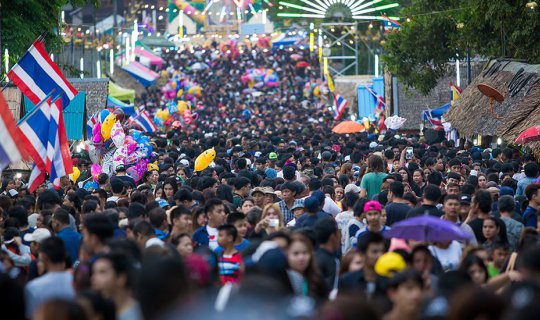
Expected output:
(352, 261)
(420, 180)
(303, 272)
(407, 178)
(271, 221)
(492, 230)
(482, 181)
(169, 189)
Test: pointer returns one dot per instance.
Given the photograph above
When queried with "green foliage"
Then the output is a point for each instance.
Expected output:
(441, 29)
(22, 21)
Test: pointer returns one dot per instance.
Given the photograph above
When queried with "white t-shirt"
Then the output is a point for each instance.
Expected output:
(449, 257)
(212, 237)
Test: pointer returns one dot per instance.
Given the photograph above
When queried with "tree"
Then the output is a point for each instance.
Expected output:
(439, 30)
(22, 21)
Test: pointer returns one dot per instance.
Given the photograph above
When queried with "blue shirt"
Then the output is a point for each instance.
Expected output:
(72, 242)
(522, 184)
(529, 217)
(308, 220)
(160, 234)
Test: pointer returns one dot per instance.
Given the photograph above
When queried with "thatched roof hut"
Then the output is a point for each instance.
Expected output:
(519, 83)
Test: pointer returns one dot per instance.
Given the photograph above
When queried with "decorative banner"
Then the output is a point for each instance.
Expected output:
(311, 42)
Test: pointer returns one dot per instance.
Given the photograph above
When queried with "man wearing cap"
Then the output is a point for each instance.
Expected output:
(258, 197)
(121, 174)
(373, 214)
(35, 239)
(269, 195)
(313, 213)
(271, 162)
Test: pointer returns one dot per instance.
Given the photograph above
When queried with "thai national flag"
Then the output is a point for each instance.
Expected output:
(44, 137)
(36, 75)
(340, 104)
(390, 24)
(10, 140)
(143, 120)
(90, 124)
(436, 122)
(379, 99)
(59, 162)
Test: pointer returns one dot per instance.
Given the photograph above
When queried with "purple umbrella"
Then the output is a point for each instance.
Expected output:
(428, 229)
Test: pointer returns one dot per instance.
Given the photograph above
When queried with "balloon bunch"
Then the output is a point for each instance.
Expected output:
(110, 146)
(258, 77)
(317, 88)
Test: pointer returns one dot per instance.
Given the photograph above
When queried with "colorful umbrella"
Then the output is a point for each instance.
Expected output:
(427, 228)
(529, 135)
(348, 127)
(302, 64)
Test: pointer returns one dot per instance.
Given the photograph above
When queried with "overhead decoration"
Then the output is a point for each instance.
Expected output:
(337, 9)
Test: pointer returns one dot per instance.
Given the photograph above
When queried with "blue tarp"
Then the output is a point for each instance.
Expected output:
(288, 40)
(367, 103)
(435, 113)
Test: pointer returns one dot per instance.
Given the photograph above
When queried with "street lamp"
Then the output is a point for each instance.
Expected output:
(532, 5)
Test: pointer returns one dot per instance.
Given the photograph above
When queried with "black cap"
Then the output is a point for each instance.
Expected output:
(465, 198)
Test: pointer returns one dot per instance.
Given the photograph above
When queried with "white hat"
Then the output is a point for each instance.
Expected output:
(154, 242)
(373, 145)
(38, 235)
(347, 158)
(352, 188)
(184, 162)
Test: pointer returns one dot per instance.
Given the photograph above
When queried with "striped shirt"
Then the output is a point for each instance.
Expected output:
(229, 267)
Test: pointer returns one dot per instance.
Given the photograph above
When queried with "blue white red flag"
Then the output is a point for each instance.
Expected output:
(390, 24)
(59, 162)
(90, 124)
(340, 104)
(44, 137)
(379, 100)
(143, 120)
(10, 140)
(36, 75)
(436, 122)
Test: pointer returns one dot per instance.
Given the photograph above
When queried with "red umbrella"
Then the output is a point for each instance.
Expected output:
(302, 64)
(529, 135)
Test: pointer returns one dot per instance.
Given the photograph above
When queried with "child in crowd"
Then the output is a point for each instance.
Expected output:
(230, 260)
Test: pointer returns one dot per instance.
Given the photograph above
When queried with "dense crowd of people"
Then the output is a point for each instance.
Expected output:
(288, 222)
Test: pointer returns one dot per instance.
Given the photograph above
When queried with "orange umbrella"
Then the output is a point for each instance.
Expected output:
(529, 135)
(349, 127)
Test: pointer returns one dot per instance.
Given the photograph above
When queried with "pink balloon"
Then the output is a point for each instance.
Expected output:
(130, 144)
(132, 172)
(95, 170)
(96, 132)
